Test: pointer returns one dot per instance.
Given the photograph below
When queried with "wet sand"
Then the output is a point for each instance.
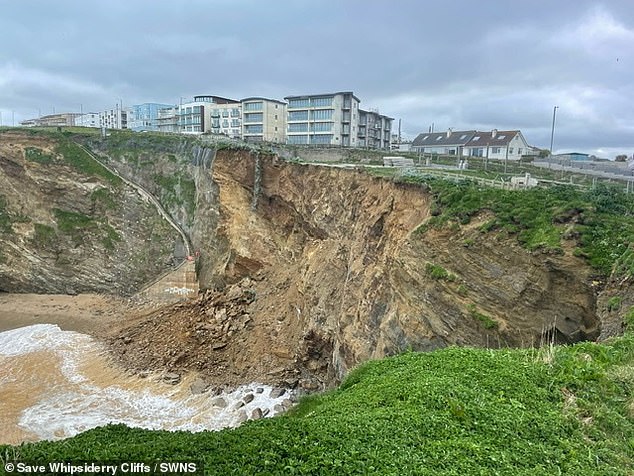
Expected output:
(85, 313)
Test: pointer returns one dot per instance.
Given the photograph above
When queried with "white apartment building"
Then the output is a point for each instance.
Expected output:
(90, 119)
(207, 114)
(324, 119)
(167, 119)
(375, 130)
(114, 118)
(263, 120)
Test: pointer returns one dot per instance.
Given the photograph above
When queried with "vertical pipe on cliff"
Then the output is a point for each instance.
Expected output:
(257, 182)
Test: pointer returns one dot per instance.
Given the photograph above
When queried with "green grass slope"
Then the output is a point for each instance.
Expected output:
(458, 411)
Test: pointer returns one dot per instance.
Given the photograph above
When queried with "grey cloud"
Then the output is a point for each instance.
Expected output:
(484, 64)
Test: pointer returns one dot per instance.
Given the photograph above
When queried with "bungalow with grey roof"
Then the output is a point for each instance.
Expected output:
(501, 145)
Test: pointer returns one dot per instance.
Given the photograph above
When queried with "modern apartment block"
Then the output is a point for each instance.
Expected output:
(324, 119)
(116, 118)
(144, 117)
(167, 119)
(207, 114)
(51, 120)
(89, 119)
(263, 120)
(375, 130)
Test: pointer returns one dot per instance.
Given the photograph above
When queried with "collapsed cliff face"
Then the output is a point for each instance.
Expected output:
(338, 252)
(338, 271)
(70, 227)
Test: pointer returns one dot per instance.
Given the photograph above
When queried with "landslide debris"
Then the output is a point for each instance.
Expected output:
(339, 268)
(221, 337)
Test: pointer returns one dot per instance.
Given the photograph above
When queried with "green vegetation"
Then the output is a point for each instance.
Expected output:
(77, 224)
(177, 190)
(37, 155)
(5, 217)
(614, 303)
(601, 219)
(81, 161)
(44, 234)
(112, 237)
(455, 411)
(438, 272)
(104, 197)
(486, 321)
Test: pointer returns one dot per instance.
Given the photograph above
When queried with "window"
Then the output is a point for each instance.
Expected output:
(321, 114)
(253, 129)
(253, 117)
(298, 139)
(519, 151)
(235, 122)
(321, 127)
(298, 116)
(225, 123)
(225, 113)
(426, 137)
(475, 138)
(501, 137)
(322, 102)
(235, 112)
(298, 127)
(510, 150)
(276, 117)
(463, 136)
(321, 139)
(477, 152)
(253, 106)
(438, 138)
(301, 102)
(495, 150)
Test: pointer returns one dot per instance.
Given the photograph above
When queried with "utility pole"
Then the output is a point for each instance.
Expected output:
(552, 136)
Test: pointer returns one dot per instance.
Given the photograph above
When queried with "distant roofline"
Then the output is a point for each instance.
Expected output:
(226, 100)
(301, 96)
(259, 98)
(377, 113)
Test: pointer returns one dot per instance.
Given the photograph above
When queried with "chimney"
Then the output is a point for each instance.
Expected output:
(494, 132)
(449, 131)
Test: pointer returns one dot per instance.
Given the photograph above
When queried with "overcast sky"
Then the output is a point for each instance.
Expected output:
(463, 64)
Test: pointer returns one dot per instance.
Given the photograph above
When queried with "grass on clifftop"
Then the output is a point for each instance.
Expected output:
(560, 410)
(600, 219)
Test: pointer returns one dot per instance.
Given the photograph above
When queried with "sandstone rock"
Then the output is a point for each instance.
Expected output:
(172, 378)
(278, 408)
(256, 414)
(198, 386)
(242, 416)
(259, 390)
(219, 345)
(248, 398)
(240, 404)
(219, 402)
(277, 392)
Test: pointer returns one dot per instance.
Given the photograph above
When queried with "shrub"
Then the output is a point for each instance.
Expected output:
(438, 272)
(614, 303)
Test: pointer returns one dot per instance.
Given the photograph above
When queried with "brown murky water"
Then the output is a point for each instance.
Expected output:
(55, 384)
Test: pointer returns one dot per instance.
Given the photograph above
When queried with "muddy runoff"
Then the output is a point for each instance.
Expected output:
(55, 384)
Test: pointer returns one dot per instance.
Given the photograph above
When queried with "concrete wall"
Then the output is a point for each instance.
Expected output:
(177, 285)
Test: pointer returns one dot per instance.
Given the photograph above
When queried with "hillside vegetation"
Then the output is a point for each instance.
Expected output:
(456, 411)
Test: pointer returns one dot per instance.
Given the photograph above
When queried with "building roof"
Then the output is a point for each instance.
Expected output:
(435, 139)
(471, 138)
(258, 98)
(492, 138)
(362, 111)
(214, 99)
(322, 95)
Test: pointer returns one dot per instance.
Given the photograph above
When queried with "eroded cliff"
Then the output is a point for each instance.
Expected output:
(69, 226)
(312, 270)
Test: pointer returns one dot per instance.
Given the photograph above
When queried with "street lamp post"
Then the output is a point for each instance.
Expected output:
(552, 135)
